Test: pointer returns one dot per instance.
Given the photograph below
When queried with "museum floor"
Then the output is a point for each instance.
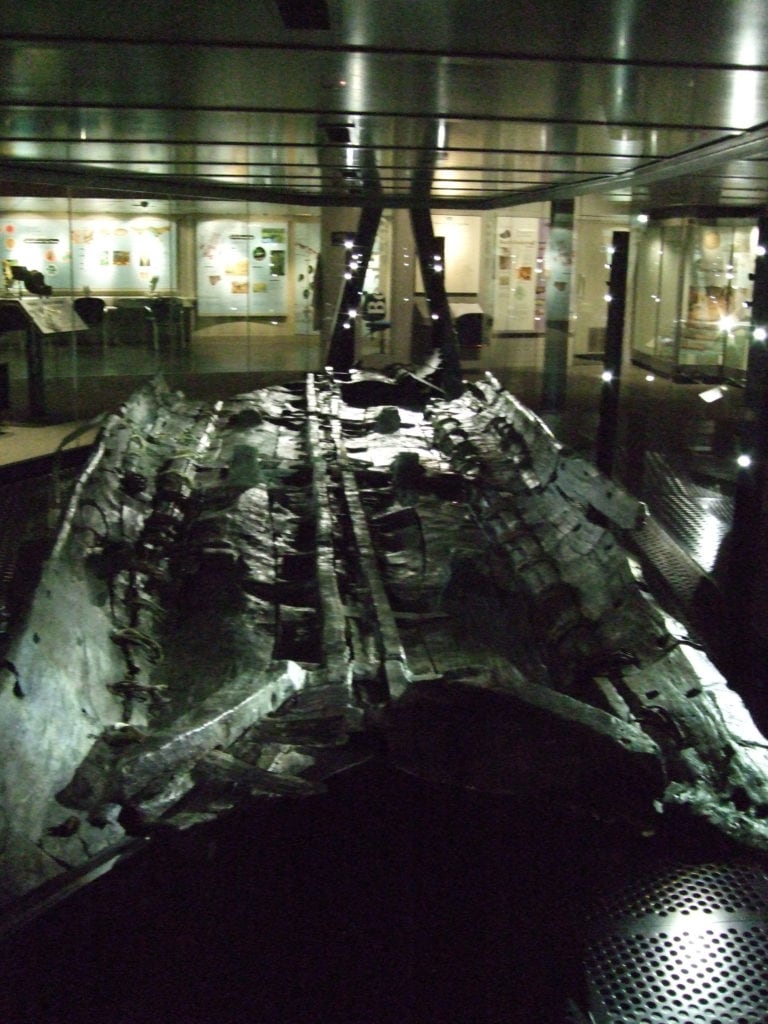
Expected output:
(389, 900)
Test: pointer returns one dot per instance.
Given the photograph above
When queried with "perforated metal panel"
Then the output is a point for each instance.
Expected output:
(697, 517)
(688, 945)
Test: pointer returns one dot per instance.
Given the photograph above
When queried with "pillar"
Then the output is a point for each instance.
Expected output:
(607, 427)
(559, 266)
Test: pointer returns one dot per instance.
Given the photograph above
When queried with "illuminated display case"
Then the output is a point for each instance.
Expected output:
(693, 291)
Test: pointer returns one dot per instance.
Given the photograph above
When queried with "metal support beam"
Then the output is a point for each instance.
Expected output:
(444, 337)
(605, 447)
(85, 179)
(341, 353)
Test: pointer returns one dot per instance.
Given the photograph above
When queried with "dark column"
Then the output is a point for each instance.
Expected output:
(35, 373)
(444, 337)
(605, 448)
(559, 263)
(341, 353)
(747, 551)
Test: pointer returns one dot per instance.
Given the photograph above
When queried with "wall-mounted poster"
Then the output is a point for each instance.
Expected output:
(519, 278)
(241, 268)
(104, 254)
(461, 245)
(462, 252)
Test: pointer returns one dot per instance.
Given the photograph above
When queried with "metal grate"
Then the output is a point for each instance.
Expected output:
(685, 889)
(698, 517)
(686, 946)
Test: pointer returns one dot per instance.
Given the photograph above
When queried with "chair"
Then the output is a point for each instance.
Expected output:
(91, 312)
(132, 322)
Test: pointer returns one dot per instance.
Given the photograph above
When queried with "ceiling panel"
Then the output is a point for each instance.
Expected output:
(502, 104)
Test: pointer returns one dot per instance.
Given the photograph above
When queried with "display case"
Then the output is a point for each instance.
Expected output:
(693, 291)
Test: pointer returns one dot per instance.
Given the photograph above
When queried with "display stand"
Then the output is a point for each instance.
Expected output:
(39, 318)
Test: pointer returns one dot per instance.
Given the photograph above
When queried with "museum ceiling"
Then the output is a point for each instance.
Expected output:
(452, 103)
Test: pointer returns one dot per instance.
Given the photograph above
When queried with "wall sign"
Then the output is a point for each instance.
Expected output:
(105, 254)
(519, 278)
(241, 268)
(461, 245)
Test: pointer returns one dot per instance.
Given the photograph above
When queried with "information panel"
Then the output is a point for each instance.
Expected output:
(104, 254)
(241, 268)
(519, 292)
(53, 315)
(461, 237)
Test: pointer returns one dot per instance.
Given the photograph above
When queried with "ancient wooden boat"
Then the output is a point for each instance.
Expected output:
(247, 597)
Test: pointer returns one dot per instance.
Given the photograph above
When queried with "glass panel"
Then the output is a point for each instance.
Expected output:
(131, 269)
(743, 261)
(717, 291)
(708, 296)
(593, 267)
(668, 298)
(645, 344)
(306, 254)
